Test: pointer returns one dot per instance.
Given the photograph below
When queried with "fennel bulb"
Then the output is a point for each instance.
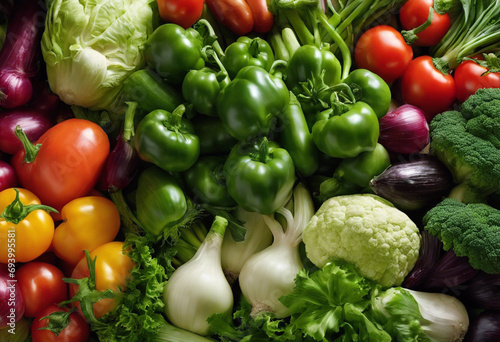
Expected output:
(198, 289)
(270, 274)
(91, 47)
(236, 253)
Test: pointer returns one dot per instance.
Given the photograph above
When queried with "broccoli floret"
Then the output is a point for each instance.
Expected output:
(471, 230)
(468, 143)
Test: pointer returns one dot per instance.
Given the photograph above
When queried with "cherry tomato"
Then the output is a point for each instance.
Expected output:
(470, 76)
(41, 285)
(112, 270)
(181, 12)
(383, 50)
(77, 330)
(427, 88)
(234, 14)
(263, 19)
(414, 13)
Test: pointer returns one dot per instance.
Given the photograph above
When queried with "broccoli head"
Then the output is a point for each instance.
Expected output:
(471, 230)
(468, 143)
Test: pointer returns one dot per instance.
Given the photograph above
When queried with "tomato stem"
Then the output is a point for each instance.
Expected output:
(17, 211)
(128, 124)
(30, 150)
(410, 36)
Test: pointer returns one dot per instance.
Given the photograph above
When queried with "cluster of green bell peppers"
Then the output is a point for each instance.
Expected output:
(235, 128)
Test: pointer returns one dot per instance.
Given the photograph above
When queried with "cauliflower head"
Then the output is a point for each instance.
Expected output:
(367, 231)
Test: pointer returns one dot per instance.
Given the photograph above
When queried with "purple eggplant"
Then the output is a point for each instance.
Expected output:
(20, 53)
(430, 252)
(483, 291)
(485, 327)
(33, 123)
(449, 271)
(8, 178)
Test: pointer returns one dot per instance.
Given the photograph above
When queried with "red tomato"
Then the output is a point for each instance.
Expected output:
(41, 285)
(383, 50)
(263, 19)
(78, 330)
(181, 12)
(68, 163)
(470, 76)
(234, 14)
(427, 88)
(414, 13)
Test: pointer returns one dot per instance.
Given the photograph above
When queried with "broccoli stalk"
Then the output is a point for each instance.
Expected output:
(475, 30)
(468, 143)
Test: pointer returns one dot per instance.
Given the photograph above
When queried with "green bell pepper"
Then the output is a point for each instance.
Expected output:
(310, 73)
(295, 137)
(248, 51)
(370, 88)
(160, 201)
(151, 92)
(249, 104)
(167, 140)
(346, 134)
(353, 175)
(214, 139)
(259, 175)
(206, 181)
(201, 88)
(172, 51)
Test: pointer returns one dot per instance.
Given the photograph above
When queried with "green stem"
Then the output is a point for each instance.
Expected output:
(175, 118)
(209, 36)
(300, 28)
(218, 227)
(30, 150)
(344, 49)
(17, 211)
(278, 45)
(223, 75)
(410, 36)
(130, 224)
(262, 153)
(290, 40)
(128, 124)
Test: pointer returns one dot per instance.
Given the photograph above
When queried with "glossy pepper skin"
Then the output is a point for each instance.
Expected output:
(161, 202)
(320, 69)
(167, 140)
(214, 139)
(172, 51)
(249, 104)
(345, 135)
(370, 88)
(248, 51)
(259, 175)
(296, 138)
(151, 92)
(201, 88)
(353, 175)
(206, 181)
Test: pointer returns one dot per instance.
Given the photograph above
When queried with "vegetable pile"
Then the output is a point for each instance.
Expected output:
(249, 170)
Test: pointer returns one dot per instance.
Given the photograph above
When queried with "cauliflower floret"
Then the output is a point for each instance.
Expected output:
(367, 231)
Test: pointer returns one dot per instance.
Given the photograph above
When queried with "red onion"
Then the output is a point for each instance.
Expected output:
(483, 291)
(404, 130)
(8, 178)
(485, 327)
(11, 299)
(18, 57)
(33, 123)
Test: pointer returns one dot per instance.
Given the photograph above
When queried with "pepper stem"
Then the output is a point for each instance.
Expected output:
(128, 124)
(262, 153)
(30, 150)
(17, 211)
(206, 30)
(175, 118)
